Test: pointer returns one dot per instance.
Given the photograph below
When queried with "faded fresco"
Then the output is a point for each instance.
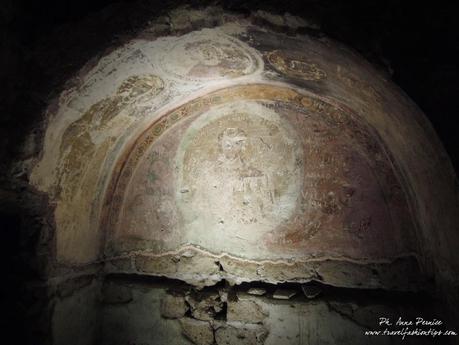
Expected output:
(242, 154)
(227, 178)
(261, 179)
(204, 56)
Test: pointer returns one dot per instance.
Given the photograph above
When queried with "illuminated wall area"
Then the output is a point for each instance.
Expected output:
(237, 181)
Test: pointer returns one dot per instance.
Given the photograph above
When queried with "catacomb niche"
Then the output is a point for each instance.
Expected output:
(217, 185)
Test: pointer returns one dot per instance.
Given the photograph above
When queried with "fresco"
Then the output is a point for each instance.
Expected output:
(260, 178)
(295, 65)
(239, 154)
(207, 55)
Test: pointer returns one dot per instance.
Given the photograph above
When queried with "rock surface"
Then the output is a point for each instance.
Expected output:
(205, 305)
(199, 332)
(246, 310)
(114, 293)
(229, 335)
(173, 307)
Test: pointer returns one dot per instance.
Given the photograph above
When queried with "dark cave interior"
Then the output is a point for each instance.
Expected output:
(44, 44)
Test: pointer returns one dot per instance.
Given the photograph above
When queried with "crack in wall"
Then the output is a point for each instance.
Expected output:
(201, 268)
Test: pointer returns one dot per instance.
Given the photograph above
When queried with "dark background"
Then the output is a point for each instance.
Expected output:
(43, 43)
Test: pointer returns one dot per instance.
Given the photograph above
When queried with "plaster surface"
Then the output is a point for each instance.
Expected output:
(249, 149)
(241, 173)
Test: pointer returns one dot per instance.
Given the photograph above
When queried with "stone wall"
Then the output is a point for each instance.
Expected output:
(165, 312)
